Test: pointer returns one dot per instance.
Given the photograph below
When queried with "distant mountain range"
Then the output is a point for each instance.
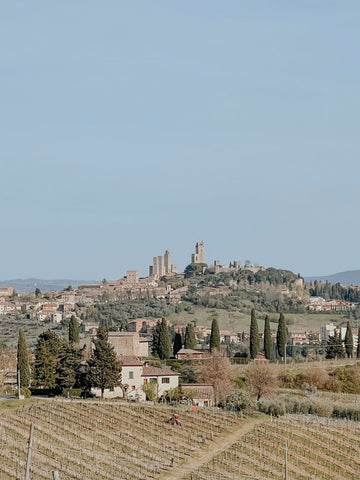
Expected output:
(350, 277)
(30, 284)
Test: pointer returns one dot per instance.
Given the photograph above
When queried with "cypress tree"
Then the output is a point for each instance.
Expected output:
(177, 344)
(190, 339)
(281, 336)
(254, 335)
(104, 367)
(73, 330)
(268, 344)
(214, 336)
(358, 344)
(349, 341)
(164, 341)
(155, 344)
(23, 363)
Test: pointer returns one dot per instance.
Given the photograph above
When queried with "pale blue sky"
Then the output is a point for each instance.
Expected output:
(128, 128)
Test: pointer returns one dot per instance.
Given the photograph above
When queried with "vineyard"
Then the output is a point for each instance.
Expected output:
(88, 440)
(316, 448)
(104, 440)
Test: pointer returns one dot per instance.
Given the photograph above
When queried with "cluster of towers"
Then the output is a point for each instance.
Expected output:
(162, 264)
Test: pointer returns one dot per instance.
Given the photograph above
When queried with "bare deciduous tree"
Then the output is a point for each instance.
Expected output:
(217, 371)
(261, 379)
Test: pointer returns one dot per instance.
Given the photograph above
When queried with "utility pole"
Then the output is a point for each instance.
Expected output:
(21, 397)
(286, 466)
(28, 460)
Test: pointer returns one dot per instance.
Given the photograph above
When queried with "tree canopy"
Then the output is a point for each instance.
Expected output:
(254, 335)
(190, 339)
(214, 336)
(23, 360)
(281, 336)
(73, 330)
(268, 343)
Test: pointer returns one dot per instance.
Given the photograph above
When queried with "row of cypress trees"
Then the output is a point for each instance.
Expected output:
(161, 339)
(281, 337)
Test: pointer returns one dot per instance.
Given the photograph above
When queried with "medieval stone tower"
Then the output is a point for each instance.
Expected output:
(199, 255)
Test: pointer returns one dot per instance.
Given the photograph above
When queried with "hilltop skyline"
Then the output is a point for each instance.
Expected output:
(139, 127)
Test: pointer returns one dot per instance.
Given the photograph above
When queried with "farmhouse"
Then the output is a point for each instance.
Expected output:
(134, 375)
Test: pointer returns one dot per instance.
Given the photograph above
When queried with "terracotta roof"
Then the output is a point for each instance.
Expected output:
(157, 372)
(129, 361)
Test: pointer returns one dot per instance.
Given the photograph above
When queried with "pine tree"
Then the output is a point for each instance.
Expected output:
(190, 339)
(164, 351)
(23, 362)
(334, 348)
(268, 343)
(349, 341)
(281, 336)
(47, 352)
(73, 330)
(68, 367)
(254, 335)
(177, 344)
(105, 368)
(44, 366)
(358, 344)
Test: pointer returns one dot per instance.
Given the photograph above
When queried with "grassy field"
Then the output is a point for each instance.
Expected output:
(238, 322)
(10, 326)
(112, 439)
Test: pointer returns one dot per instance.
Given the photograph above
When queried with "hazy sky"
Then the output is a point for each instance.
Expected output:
(132, 127)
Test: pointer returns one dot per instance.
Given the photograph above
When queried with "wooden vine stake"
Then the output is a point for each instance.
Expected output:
(28, 460)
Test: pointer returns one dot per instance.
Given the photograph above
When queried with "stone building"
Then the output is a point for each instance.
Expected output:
(129, 344)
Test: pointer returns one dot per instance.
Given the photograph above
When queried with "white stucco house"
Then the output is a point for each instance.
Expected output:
(134, 375)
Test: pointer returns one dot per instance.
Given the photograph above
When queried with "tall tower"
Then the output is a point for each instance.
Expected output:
(199, 255)
(167, 261)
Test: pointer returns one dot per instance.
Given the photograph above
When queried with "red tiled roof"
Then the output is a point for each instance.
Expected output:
(129, 361)
(157, 372)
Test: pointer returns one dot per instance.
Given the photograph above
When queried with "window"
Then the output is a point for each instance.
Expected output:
(165, 380)
(153, 380)
(131, 374)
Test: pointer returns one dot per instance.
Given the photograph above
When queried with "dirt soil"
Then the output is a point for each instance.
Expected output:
(214, 448)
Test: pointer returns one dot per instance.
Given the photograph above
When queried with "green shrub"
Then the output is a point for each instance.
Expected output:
(321, 409)
(237, 401)
(72, 392)
(272, 407)
(343, 411)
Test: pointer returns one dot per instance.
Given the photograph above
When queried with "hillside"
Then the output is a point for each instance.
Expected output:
(350, 277)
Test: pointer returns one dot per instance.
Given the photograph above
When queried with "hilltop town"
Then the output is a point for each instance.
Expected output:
(227, 292)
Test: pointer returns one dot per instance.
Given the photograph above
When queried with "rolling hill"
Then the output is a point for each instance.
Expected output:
(350, 277)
